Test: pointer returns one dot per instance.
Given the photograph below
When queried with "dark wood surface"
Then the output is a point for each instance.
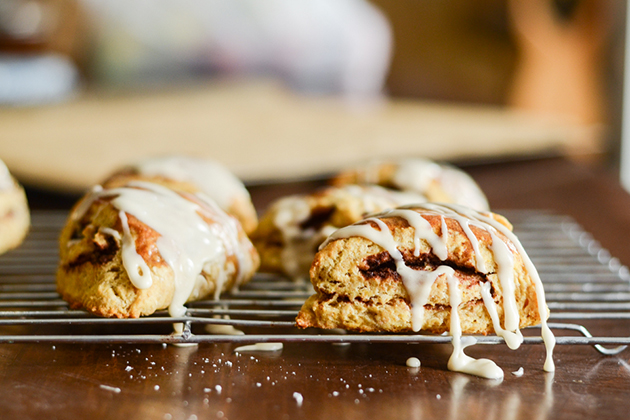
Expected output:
(67, 381)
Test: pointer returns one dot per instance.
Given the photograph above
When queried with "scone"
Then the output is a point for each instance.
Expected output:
(432, 268)
(292, 229)
(14, 214)
(394, 271)
(132, 250)
(193, 175)
(439, 183)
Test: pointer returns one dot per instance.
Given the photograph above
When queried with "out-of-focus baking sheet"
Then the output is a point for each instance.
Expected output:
(261, 131)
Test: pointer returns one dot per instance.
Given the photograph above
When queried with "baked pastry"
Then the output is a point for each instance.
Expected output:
(132, 250)
(292, 229)
(194, 175)
(427, 267)
(14, 214)
(438, 182)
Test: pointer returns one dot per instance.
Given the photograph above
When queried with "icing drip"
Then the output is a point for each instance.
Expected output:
(423, 230)
(188, 243)
(460, 362)
(505, 273)
(259, 347)
(413, 362)
(418, 282)
(512, 339)
(111, 232)
(547, 335)
(137, 269)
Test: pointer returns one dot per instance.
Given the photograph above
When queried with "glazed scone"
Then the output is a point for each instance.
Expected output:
(133, 250)
(439, 183)
(14, 213)
(293, 227)
(193, 175)
(432, 268)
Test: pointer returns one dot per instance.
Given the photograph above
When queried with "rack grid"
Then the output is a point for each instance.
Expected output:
(583, 282)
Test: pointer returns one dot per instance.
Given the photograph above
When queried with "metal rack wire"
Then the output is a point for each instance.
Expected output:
(582, 280)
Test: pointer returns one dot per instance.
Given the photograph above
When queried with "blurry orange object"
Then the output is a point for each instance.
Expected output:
(560, 68)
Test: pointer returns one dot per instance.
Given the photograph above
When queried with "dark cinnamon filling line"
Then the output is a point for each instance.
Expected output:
(104, 252)
(382, 266)
(319, 216)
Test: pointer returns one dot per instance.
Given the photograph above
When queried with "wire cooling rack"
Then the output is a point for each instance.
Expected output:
(582, 280)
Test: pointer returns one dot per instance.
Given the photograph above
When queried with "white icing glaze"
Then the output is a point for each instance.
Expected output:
(424, 231)
(222, 329)
(137, 269)
(505, 272)
(513, 339)
(111, 232)
(547, 335)
(413, 362)
(187, 242)
(85, 203)
(299, 399)
(459, 361)
(259, 347)
(6, 181)
(211, 177)
(418, 283)
(416, 174)
(218, 329)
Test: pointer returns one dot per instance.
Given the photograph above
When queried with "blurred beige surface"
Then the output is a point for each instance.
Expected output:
(261, 132)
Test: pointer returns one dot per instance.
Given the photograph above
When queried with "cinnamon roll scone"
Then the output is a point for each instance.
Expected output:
(427, 267)
(135, 249)
(438, 182)
(293, 227)
(194, 175)
(14, 213)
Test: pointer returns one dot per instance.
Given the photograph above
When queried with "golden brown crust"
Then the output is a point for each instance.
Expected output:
(381, 174)
(91, 274)
(359, 289)
(14, 217)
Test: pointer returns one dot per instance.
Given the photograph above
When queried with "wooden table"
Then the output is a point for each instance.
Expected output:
(360, 381)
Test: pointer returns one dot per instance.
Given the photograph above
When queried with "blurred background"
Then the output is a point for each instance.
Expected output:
(280, 90)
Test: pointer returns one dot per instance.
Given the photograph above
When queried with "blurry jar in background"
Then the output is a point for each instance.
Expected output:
(42, 44)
